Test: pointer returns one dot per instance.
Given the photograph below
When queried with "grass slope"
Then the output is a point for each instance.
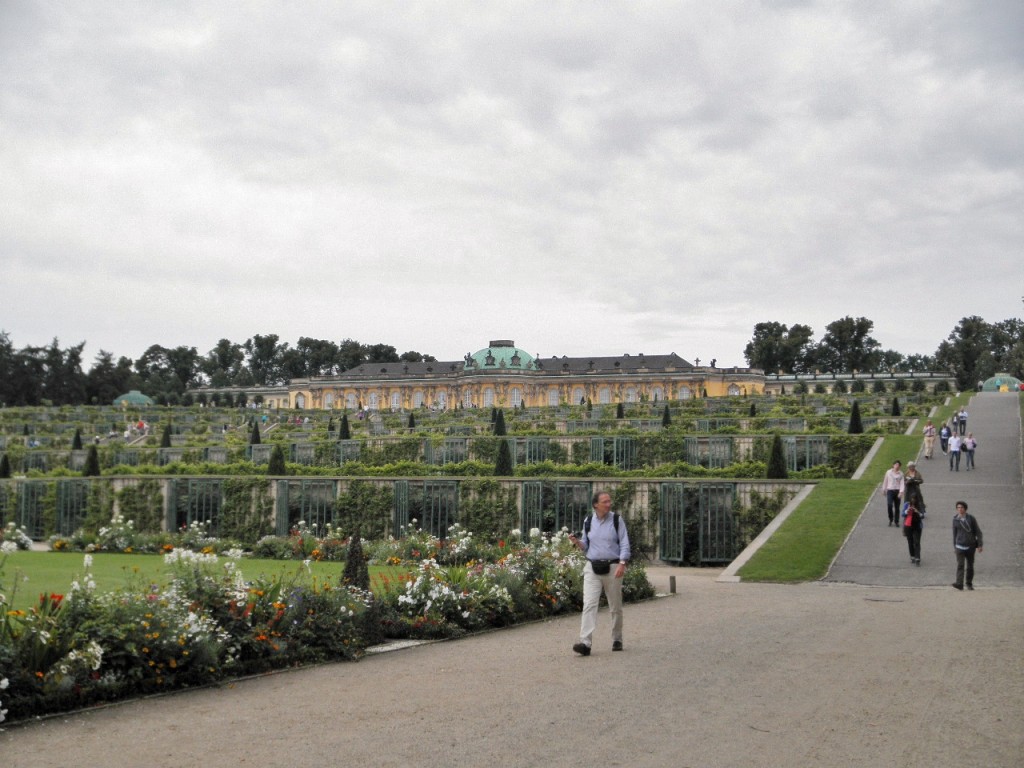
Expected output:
(805, 545)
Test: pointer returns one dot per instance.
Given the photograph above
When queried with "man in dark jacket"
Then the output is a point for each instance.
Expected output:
(966, 540)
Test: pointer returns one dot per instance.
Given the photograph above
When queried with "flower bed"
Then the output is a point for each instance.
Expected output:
(207, 623)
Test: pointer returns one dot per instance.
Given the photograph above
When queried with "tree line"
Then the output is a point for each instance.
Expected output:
(51, 375)
(974, 350)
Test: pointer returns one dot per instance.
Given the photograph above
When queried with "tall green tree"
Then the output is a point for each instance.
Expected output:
(499, 423)
(777, 347)
(344, 432)
(666, 417)
(848, 346)
(254, 436)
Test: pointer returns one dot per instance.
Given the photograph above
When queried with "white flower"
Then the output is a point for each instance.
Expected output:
(87, 562)
(4, 682)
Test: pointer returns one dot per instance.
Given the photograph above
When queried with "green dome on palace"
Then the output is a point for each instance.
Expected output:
(133, 398)
(501, 355)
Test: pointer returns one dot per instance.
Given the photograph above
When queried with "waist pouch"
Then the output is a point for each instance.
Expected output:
(602, 567)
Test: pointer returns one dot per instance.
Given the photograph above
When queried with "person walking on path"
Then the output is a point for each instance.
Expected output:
(606, 544)
(961, 420)
(929, 439)
(892, 484)
(954, 451)
(944, 434)
(912, 525)
(910, 493)
(967, 448)
(966, 541)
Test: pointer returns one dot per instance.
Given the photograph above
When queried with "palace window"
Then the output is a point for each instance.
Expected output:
(329, 400)
(657, 394)
(488, 397)
(374, 403)
(517, 396)
(350, 401)
(467, 398)
(577, 395)
(553, 396)
(604, 396)
(684, 393)
(396, 401)
(300, 401)
(630, 395)
(417, 399)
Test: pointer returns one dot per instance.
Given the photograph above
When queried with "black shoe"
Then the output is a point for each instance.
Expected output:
(970, 587)
(617, 645)
(890, 523)
(582, 649)
(960, 587)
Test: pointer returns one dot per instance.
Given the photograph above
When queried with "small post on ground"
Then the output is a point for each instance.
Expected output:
(671, 585)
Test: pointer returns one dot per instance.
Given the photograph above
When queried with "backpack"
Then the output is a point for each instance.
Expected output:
(615, 519)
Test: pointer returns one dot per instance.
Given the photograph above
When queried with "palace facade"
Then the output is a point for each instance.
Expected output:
(503, 375)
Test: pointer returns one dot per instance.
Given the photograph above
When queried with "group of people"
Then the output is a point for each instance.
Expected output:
(906, 509)
(954, 441)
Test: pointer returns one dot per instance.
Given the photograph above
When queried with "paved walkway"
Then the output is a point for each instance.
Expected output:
(876, 554)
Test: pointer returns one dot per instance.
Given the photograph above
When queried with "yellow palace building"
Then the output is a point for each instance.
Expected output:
(503, 375)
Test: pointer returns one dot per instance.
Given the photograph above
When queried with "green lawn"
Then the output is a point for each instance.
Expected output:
(804, 547)
(29, 574)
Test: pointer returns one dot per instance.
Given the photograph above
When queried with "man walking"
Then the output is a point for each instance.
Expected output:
(929, 439)
(954, 451)
(606, 544)
(892, 483)
(966, 541)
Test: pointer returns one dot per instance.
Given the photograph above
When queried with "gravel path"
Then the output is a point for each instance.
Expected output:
(716, 675)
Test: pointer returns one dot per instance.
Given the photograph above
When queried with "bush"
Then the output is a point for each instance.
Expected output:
(776, 469)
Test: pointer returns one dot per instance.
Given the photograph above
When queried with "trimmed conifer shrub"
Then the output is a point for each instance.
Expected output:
(620, 411)
(5, 466)
(277, 465)
(503, 466)
(165, 438)
(499, 424)
(856, 426)
(344, 433)
(356, 573)
(92, 463)
(895, 406)
(753, 410)
(76, 441)
(777, 460)
(254, 436)
(412, 421)
(666, 417)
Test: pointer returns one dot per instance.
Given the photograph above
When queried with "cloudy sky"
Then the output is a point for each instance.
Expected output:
(583, 178)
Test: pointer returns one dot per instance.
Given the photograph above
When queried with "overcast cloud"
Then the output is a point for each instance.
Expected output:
(584, 178)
